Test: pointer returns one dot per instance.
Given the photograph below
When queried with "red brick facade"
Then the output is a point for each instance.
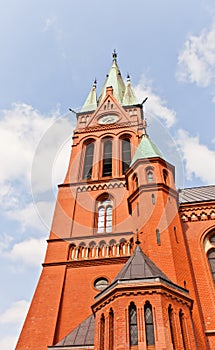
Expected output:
(93, 234)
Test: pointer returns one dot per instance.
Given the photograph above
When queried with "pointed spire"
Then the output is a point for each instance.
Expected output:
(115, 80)
(146, 149)
(129, 98)
(91, 101)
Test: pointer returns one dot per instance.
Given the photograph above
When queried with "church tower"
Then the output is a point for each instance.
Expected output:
(116, 273)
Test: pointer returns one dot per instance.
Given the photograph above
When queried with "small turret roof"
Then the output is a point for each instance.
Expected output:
(139, 266)
(129, 97)
(146, 149)
(91, 101)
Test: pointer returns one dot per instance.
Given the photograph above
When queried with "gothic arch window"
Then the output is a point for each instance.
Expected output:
(104, 214)
(102, 332)
(149, 174)
(107, 158)
(211, 259)
(171, 325)
(126, 153)
(133, 330)
(88, 159)
(209, 244)
(135, 182)
(158, 236)
(183, 330)
(149, 325)
(165, 176)
(111, 330)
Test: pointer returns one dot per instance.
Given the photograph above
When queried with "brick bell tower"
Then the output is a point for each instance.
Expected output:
(116, 273)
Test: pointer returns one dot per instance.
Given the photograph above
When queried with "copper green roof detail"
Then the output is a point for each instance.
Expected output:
(146, 149)
(115, 80)
(91, 101)
(129, 97)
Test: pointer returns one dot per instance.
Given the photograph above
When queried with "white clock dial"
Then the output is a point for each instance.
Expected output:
(108, 119)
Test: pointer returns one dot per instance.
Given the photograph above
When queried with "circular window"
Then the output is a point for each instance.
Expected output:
(101, 283)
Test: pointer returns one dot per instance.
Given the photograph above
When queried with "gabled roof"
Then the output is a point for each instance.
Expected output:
(146, 149)
(139, 266)
(197, 194)
(83, 335)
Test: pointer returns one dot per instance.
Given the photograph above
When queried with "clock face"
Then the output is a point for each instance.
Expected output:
(108, 119)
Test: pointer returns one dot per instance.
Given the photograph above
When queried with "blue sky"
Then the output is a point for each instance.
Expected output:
(51, 51)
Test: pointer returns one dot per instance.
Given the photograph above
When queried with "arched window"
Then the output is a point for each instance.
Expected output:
(105, 215)
(150, 176)
(107, 158)
(102, 333)
(135, 182)
(88, 160)
(165, 175)
(126, 154)
(211, 259)
(133, 331)
(158, 237)
(153, 199)
(171, 325)
(111, 330)
(149, 326)
(209, 244)
(183, 330)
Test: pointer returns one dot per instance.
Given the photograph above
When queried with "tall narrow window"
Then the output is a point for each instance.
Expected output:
(153, 199)
(158, 237)
(111, 330)
(88, 161)
(149, 326)
(135, 182)
(102, 333)
(107, 158)
(126, 154)
(133, 324)
(104, 215)
(165, 176)
(171, 325)
(211, 259)
(183, 330)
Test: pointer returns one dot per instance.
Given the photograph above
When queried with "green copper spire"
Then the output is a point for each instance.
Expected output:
(129, 97)
(146, 149)
(115, 80)
(91, 101)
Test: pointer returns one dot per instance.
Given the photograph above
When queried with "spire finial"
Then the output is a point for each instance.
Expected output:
(95, 83)
(114, 54)
(128, 77)
(137, 239)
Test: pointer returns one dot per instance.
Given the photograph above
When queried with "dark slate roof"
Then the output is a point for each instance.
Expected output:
(139, 266)
(197, 194)
(82, 335)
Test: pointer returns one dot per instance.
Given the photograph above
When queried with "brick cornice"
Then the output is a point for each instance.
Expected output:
(144, 289)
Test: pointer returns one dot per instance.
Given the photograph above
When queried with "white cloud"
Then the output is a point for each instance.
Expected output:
(156, 106)
(21, 128)
(29, 252)
(15, 313)
(196, 62)
(199, 159)
(28, 135)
